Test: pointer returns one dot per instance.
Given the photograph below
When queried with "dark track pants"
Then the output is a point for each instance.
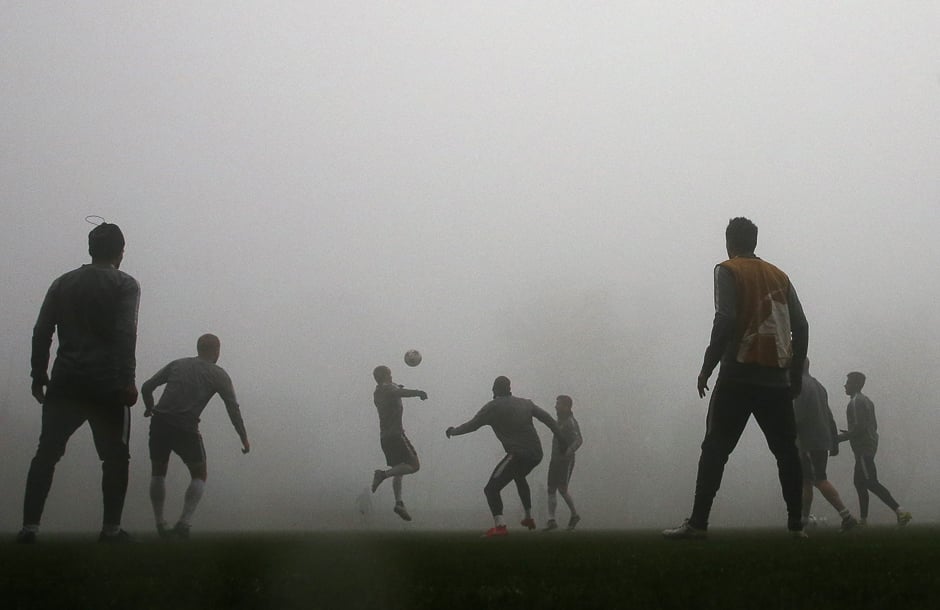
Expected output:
(866, 479)
(510, 468)
(62, 415)
(728, 412)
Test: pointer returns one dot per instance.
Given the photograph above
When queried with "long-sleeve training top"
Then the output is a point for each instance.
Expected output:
(511, 420)
(94, 311)
(190, 384)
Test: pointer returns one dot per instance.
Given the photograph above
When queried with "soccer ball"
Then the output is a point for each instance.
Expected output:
(412, 357)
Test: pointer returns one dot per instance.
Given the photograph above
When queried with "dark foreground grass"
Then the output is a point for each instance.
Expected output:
(879, 568)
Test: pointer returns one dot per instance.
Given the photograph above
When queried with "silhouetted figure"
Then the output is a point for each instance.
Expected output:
(863, 438)
(817, 438)
(400, 455)
(93, 312)
(190, 384)
(511, 420)
(561, 464)
(760, 337)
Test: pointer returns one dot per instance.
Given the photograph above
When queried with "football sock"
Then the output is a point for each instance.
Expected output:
(552, 505)
(34, 528)
(569, 501)
(399, 470)
(158, 497)
(396, 488)
(528, 513)
(111, 530)
(191, 500)
(498, 521)
(845, 513)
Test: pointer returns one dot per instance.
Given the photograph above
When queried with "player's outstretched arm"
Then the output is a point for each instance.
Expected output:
(406, 393)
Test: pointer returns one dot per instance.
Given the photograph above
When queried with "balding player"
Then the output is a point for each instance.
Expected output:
(190, 383)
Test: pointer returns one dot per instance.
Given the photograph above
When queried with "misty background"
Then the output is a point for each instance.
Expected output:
(530, 189)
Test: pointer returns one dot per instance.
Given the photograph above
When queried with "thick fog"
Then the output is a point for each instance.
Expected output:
(530, 189)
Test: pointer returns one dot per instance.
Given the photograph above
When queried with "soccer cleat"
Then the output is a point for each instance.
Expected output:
(164, 532)
(181, 531)
(551, 525)
(26, 536)
(402, 512)
(798, 535)
(904, 518)
(121, 537)
(528, 523)
(573, 521)
(496, 532)
(377, 477)
(685, 532)
(848, 523)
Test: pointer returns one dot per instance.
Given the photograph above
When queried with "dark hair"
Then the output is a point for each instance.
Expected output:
(105, 241)
(857, 377)
(565, 400)
(381, 373)
(741, 235)
(207, 343)
(502, 386)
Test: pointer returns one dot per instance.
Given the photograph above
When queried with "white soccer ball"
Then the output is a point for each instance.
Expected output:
(412, 357)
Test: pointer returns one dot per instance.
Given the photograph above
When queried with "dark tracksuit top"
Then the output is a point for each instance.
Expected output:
(93, 310)
(511, 420)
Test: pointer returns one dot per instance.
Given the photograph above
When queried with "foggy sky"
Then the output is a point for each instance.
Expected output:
(536, 190)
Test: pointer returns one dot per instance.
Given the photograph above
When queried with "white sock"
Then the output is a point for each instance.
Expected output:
(498, 520)
(845, 513)
(570, 502)
(191, 500)
(552, 506)
(157, 498)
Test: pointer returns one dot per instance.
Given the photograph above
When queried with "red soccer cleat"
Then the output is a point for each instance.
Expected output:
(494, 532)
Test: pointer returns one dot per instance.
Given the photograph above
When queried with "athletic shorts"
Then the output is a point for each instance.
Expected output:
(166, 438)
(398, 450)
(559, 473)
(814, 465)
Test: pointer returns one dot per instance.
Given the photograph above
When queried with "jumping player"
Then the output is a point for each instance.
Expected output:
(863, 438)
(190, 383)
(562, 462)
(93, 312)
(817, 438)
(511, 420)
(400, 455)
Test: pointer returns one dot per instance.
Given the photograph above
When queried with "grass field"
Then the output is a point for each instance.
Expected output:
(878, 568)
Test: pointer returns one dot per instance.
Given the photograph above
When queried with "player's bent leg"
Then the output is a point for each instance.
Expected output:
(158, 497)
(500, 477)
(191, 498)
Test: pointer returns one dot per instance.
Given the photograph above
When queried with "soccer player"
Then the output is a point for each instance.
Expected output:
(93, 312)
(863, 438)
(561, 464)
(174, 427)
(400, 455)
(760, 336)
(511, 420)
(817, 438)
